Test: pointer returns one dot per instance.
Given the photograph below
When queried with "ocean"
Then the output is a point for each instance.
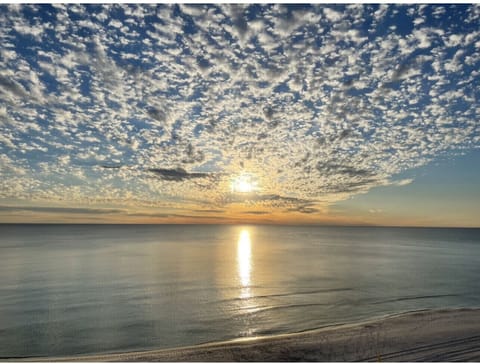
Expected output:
(87, 289)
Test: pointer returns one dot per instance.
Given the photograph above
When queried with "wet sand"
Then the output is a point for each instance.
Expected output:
(430, 335)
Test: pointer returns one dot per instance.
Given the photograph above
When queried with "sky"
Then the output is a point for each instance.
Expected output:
(317, 114)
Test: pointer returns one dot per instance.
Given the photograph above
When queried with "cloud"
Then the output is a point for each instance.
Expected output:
(111, 166)
(61, 210)
(352, 186)
(257, 212)
(179, 174)
(267, 198)
(332, 15)
(317, 102)
(345, 169)
(208, 211)
(304, 210)
(157, 114)
(11, 87)
(182, 216)
(403, 182)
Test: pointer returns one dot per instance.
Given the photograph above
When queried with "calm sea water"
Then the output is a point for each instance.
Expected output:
(91, 289)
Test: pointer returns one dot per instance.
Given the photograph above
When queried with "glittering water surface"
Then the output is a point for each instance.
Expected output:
(81, 289)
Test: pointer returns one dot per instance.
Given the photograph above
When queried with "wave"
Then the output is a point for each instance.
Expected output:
(411, 298)
(297, 293)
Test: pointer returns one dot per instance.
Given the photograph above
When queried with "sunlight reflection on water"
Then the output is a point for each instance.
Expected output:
(244, 262)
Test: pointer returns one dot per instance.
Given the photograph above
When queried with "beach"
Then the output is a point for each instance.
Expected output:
(425, 335)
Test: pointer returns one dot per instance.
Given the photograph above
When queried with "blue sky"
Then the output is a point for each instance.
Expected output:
(443, 193)
(158, 113)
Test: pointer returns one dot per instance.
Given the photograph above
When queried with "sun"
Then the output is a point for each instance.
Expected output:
(243, 183)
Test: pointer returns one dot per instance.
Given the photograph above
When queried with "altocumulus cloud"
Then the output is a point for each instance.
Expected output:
(60, 210)
(318, 102)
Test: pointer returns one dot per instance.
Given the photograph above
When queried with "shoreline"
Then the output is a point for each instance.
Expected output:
(423, 335)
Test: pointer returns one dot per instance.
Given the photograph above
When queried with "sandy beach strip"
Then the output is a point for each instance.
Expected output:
(429, 335)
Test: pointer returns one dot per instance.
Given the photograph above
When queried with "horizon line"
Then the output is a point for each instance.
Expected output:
(247, 223)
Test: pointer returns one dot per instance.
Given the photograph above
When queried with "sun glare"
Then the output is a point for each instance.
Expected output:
(244, 257)
(243, 184)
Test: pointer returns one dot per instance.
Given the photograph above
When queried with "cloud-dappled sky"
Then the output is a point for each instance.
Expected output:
(152, 113)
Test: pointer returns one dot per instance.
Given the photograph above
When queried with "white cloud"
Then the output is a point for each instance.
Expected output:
(332, 15)
(317, 111)
(403, 182)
